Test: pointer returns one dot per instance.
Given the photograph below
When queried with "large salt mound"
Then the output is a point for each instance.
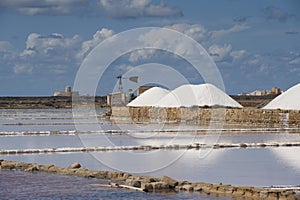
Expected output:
(149, 97)
(289, 100)
(197, 95)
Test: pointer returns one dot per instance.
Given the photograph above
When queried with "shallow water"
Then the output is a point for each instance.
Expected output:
(45, 141)
(237, 166)
(252, 166)
(21, 185)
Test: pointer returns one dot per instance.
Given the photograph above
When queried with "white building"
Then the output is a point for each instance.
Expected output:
(67, 93)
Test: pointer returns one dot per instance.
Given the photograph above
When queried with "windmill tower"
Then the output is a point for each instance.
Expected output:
(119, 98)
(120, 87)
(120, 77)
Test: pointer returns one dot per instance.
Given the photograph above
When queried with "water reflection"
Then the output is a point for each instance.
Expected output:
(252, 166)
(289, 156)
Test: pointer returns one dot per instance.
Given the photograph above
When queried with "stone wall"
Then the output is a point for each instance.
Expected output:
(197, 115)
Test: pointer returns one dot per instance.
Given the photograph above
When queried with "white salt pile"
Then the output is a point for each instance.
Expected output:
(197, 95)
(289, 100)
(149, 97)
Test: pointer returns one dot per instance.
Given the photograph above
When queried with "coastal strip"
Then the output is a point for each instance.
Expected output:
(154, 184)
(50, 102)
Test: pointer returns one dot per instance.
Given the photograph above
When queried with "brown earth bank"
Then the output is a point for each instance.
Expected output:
(253, 101)
(154, 184)
(50, 102)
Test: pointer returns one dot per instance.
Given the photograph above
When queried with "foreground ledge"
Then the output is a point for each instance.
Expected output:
(153, 184)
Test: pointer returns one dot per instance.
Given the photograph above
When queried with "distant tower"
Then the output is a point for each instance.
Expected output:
(275, 90)
(67, 93)
(68, 89)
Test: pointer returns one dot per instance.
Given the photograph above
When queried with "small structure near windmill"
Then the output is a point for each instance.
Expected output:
(67, 93)
(120, 98)
(117, 99)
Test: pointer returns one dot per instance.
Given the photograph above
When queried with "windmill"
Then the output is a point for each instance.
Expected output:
(120, 77)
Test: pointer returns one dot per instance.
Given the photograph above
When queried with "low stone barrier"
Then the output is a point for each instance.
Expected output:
(149, 148)
(153, 184)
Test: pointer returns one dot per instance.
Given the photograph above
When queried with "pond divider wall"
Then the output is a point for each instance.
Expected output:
(198, 115)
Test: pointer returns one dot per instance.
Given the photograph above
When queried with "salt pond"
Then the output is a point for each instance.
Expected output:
(22, 185)
(237, 166)
(255, 167)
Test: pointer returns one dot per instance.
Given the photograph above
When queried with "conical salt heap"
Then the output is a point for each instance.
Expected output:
(149, 97)
(289, 100)
(185, 96)
(197, 95)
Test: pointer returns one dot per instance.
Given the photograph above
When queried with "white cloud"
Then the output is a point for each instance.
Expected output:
(239, 54)
(23, 69)
(220, 53)
(195, 31)
(178, 44)
(124, 67)
(199, 33)
(141, 54)
(159, 38)
(98, 37)
(295, 61)
(137, 8)
(161, 10)
(57, 54)
(254, 60)
(274, 13)
(50, 53)
(218, 34)
(107, 8)
(48, 7)
(264, 68)
(52, 46)
(5, 46)
(6, 51)
(295, 70)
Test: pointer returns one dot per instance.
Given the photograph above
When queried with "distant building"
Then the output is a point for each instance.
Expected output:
(67, 93)
(260, 93)
(273, 91)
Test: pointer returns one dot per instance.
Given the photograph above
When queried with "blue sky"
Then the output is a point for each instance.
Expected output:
(255, 44)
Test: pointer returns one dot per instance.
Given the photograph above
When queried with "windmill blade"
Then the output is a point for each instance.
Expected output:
(133, 79)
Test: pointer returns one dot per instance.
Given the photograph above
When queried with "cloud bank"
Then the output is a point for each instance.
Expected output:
(56, 54)
(102, 8)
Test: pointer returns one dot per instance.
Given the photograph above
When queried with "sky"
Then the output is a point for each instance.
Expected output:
(254, 44)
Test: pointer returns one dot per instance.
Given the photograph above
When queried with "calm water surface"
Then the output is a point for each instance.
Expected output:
(255, 166)
(21, 185)
(237, 166)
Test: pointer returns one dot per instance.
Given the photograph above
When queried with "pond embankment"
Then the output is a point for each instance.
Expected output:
(198, 115)
(154, 184)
